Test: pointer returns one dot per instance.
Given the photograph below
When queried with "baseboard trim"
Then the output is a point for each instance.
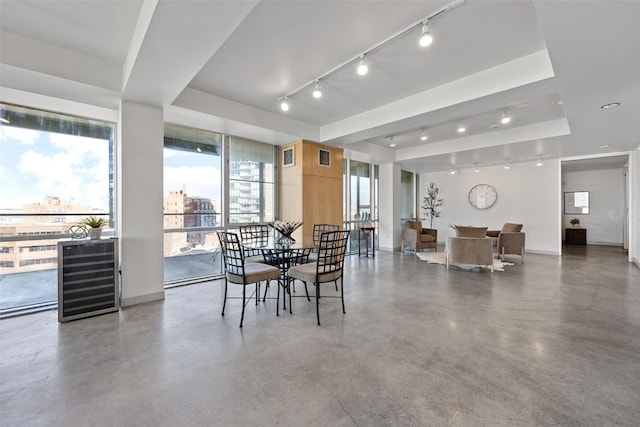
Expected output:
(636, 261)
(604, 243)
(141, 299)
(538, 252)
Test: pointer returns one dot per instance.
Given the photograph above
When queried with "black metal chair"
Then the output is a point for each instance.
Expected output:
(256, 235)
(317, 230)
(329, 267)
(241, 273)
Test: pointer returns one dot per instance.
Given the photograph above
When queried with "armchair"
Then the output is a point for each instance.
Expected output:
(509, 240)
(419, 238)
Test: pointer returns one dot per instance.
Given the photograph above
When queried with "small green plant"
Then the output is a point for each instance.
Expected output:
(574, 221)
(94, 222)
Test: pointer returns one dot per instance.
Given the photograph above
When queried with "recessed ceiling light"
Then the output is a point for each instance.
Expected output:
(603, 146)
(610, 105)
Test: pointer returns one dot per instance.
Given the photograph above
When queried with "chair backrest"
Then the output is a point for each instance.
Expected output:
(232, 253)
(257, 235)
(320, 228)
(332, 248)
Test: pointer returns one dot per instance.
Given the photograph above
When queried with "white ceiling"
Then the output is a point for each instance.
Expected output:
(224, 65)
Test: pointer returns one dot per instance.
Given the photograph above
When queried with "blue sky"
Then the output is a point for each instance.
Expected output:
(34, 164)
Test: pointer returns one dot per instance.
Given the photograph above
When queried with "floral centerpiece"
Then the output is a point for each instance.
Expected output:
(286, 229)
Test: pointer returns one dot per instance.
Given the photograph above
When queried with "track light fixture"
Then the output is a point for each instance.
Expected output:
(284, 104)
(507, 166)
(391, 143)
(461, 128)
(506, 118)
(424, 136)
(362, 69)
(476, 168)
(539, 162)
(426, 38)
(452, 171)
(317, 92)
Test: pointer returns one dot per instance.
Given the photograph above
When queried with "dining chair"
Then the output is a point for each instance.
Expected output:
(317, 230)
(240, 273)
(255, 234)
(329, 266)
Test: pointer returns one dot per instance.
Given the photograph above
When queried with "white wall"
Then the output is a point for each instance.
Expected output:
(527, 194)
(389, 227)
(634, 219)
(605, 221)
(140, 225)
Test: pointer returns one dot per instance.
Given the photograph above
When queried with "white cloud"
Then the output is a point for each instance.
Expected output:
(81, 165)
(21, 135)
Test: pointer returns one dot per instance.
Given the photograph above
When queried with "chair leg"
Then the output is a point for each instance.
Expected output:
(290, 305)
(244, 295)
(224, 302)
(336, 283)
(318, 302)
(278, 300)
(257, 292)
(342, 292)
(307, 291)
(266, 288)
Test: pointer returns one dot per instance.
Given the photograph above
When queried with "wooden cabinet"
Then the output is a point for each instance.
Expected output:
(575, 236)
(311, 187)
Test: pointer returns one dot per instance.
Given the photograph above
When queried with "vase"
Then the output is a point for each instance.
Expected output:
(95, 233)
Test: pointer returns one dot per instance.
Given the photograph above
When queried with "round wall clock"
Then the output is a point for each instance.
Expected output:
(482, 196)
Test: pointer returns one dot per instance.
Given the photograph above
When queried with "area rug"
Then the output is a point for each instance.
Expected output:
(438, 258)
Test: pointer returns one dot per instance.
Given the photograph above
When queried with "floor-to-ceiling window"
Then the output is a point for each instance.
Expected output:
(407, 196)
(360, 196)
(55, 170)
(251, 181)
(204, 193)
(192, 202)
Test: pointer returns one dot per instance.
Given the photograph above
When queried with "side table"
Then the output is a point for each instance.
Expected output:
(575, 236)
(368, 232)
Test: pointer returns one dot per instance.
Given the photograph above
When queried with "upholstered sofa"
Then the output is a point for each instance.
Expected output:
(417, 237)
(509, 240)
(470, 246)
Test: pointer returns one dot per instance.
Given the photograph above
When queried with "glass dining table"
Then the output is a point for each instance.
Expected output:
(283, 256)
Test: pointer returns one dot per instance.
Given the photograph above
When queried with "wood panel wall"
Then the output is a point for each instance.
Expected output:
(310, 192)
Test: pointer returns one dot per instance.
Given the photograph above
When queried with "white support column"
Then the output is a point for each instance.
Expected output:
(140, 190)
(634, 206)
(389, 233)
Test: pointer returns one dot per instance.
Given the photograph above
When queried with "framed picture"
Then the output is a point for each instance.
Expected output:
(576, 203)
(324, 157)
(288, 157)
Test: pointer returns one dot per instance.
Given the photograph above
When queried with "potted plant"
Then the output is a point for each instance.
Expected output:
(431, 203)
(94, 225)
(575, 222)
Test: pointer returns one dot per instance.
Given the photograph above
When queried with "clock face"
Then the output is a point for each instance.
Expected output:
(482, 196)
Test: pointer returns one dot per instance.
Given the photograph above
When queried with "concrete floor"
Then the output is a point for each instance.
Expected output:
(554, 341)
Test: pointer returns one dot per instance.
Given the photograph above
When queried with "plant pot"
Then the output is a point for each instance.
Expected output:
(95, 233)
